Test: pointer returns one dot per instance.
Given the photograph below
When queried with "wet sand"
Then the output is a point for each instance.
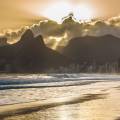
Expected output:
(98, 101)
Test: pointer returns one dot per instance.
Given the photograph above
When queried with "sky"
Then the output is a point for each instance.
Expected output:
(16, 13)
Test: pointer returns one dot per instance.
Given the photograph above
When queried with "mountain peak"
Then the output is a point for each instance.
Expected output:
(28, 34)
(40, 39)
(69, 19)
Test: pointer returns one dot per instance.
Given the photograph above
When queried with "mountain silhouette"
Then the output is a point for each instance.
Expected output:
(90, 49)
(30, 54)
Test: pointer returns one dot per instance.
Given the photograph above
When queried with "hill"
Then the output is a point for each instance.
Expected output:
(89, 49)
(30, 54)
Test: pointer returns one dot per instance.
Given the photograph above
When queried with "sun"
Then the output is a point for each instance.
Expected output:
(61, 9)
(83, 12)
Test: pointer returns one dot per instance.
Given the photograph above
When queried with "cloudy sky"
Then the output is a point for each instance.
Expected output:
(15, 13)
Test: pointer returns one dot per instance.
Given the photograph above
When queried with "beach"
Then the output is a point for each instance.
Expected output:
(85, 97)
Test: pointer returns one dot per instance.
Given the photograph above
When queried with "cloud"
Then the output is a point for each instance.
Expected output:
(59, 34)
(101, 28)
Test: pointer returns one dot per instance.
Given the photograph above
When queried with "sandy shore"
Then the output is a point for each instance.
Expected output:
(100, 104)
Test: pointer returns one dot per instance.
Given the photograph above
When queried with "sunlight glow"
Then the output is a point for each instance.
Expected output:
(61, 9)
(57, 11)
(58, 40)
(83, 12)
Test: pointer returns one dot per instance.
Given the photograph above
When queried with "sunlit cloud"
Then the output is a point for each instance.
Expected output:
(56, 34)
(58, 41)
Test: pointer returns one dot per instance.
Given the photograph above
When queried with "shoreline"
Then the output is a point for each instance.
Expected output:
(27, 108)
(90, 101)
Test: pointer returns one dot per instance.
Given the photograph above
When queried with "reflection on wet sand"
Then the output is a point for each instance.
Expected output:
(99, 101)
(117, 118)
(36, 106)
(118, 87)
